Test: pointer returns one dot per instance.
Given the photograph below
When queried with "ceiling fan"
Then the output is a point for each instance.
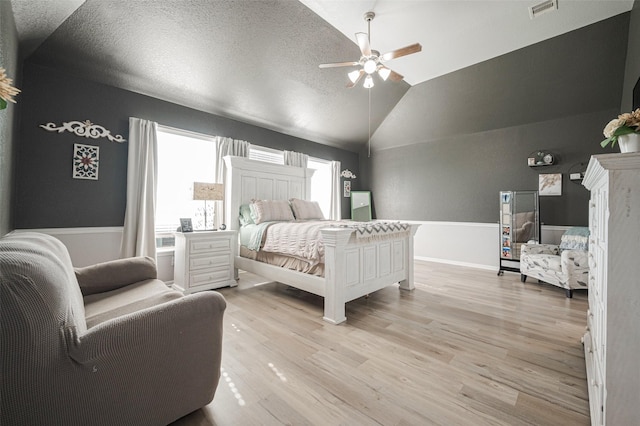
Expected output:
(372, 61)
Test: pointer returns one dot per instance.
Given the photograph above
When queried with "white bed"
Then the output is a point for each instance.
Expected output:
(353, 268)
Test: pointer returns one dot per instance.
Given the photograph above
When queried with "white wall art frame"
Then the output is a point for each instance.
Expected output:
(550, 184)
(86, 159)
(347, 189)
(85, 129)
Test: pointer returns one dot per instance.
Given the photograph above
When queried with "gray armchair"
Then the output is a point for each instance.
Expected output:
(112, 346)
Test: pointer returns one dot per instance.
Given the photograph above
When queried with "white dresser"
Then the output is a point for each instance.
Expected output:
(612, 340)
(204, 260)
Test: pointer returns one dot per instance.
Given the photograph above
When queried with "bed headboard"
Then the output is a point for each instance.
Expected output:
(250, 179)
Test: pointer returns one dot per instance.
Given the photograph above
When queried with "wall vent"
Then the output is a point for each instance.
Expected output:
(544, 7)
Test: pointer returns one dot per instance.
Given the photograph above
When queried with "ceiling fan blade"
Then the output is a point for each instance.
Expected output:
(363, 43)
(353, 83)
(339, 64)
(404, 51)
(394, 76)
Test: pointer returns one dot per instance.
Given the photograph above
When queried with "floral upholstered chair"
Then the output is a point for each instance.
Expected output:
(565, 265)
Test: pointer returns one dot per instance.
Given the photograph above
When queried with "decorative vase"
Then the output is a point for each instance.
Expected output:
(629, 143)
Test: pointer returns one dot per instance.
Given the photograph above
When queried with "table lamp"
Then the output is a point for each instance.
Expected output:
(208, 192)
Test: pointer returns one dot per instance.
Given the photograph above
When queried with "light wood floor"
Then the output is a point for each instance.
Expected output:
(466, 347)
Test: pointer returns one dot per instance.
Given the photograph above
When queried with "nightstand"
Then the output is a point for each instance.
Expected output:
(204, 260)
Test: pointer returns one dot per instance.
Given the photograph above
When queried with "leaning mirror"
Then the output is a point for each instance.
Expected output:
(361, 206)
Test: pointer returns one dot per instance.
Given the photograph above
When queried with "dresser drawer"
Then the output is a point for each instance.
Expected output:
(205, 246)
(209, 276)
(210, 261)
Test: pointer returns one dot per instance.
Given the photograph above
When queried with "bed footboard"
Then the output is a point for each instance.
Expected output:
(354, 268)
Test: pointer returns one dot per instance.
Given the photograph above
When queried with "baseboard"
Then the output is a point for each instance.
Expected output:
(457, 263)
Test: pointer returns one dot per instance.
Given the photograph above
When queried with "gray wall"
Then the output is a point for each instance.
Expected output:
(8, 61)
(481, 123)
(632, 70)
(47, 196)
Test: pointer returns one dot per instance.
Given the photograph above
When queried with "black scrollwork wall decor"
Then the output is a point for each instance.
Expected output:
(85, 129)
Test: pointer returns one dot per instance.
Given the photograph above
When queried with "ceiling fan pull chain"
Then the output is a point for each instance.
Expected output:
(369, 154)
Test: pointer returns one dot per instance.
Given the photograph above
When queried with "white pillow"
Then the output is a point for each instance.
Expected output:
(270, 210)
(305, 210)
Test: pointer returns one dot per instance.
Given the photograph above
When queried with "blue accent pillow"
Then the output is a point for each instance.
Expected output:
(576, 238)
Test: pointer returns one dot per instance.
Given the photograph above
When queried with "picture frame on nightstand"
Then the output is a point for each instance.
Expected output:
(185, 224)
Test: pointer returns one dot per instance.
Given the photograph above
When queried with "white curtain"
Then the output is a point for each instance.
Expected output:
(335, 208)
(138, 235)
(298, 159)
(226, 146)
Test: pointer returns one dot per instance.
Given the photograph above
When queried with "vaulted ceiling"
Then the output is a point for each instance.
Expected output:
(257, 61)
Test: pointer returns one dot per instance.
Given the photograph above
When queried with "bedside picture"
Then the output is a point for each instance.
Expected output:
(185, 224)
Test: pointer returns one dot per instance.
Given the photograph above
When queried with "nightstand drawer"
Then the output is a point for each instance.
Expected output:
(209, 276)
(204, 246)
(210, 261)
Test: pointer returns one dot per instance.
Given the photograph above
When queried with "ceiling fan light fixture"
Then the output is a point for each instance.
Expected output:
(368, 82)
(384, 73)
(353, 76)
(370, 66)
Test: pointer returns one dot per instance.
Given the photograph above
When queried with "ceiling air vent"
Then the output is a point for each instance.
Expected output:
(544, 7)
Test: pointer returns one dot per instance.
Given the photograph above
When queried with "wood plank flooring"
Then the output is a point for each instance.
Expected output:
(466, 347)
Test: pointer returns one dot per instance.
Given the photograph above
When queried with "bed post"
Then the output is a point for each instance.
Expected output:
(335, 241)
(407, 283)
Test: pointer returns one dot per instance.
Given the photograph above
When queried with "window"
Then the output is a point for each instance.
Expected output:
(321, 184)
(183, 158)
(268, 155)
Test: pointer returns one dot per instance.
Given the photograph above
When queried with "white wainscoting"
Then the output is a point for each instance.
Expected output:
(458, 243)
(469, 244)
(88, 246)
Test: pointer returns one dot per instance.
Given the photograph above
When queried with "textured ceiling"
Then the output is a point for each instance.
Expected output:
(257, 61)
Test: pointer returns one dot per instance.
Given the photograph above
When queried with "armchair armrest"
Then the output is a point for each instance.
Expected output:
(574, 260)
(114, 274)
(527, 249)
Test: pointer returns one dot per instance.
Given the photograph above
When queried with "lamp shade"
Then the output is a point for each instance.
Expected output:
(384, 72)
(208, 191)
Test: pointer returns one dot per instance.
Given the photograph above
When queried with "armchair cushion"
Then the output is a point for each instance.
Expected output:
(100, 307)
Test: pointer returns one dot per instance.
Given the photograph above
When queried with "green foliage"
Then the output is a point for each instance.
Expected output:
(624, 130)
